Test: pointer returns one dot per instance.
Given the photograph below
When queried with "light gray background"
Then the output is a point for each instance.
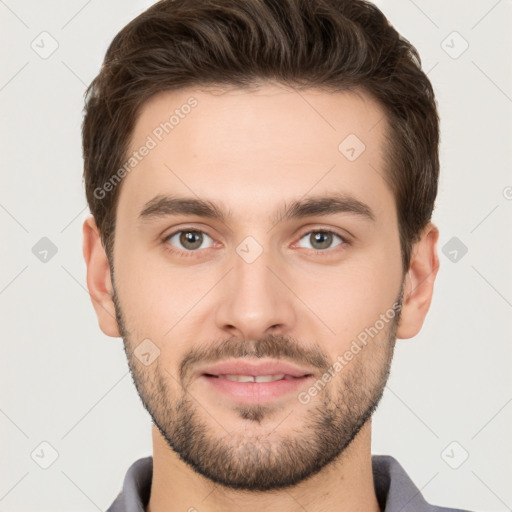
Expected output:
(64, 383)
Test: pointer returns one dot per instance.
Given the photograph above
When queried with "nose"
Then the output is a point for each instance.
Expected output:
(255, 300)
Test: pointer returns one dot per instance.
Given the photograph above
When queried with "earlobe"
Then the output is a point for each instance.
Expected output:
(419, 283)
(99, 281)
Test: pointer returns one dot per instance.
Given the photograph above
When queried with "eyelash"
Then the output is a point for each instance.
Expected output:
(326, 252)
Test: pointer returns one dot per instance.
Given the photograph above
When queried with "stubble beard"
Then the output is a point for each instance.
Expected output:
(260, 458)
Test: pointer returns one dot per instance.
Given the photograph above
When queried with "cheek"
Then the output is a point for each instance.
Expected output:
(160, 302)
(349, 298)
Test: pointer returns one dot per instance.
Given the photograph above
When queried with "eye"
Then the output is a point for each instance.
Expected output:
(322, 240)
(188, 240)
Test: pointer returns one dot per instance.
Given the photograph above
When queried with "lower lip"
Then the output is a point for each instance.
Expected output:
(256, 392)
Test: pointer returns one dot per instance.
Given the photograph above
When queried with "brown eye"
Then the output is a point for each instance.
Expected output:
(188, 240)
(321, 240)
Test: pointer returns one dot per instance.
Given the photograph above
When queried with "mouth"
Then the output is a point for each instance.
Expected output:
(253, 378)
(268, 369)
(255, 382)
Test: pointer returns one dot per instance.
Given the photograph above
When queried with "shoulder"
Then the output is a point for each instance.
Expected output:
(396, 491)
(134, 495)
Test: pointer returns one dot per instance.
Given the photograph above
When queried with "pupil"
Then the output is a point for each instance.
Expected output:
(187, 239)
(322, 239)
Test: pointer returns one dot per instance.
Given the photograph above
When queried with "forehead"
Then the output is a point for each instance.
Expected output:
(246, 147)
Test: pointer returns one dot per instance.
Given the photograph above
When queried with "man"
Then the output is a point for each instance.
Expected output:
(261, 177)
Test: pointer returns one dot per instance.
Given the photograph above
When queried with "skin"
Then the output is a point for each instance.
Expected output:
(250, 153)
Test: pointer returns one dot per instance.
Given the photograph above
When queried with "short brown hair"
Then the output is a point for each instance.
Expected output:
(334, 45)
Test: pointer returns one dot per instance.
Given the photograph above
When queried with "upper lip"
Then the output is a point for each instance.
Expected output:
(246, 367)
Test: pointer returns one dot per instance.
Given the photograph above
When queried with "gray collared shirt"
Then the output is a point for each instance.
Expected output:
(395, 491)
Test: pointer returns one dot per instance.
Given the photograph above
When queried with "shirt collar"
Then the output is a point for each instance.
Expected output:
(394, 489)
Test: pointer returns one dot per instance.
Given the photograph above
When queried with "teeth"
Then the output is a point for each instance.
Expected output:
(268, 378)
(250, 378)
(240, 378)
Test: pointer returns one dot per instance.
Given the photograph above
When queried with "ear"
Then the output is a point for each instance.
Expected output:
(419, 283)
(99, 280)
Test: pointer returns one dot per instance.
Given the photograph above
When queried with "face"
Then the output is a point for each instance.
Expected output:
(257, 277)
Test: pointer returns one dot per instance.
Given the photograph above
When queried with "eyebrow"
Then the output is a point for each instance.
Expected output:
(164, 206)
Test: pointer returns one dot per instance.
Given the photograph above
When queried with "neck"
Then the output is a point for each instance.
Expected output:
(344, 485)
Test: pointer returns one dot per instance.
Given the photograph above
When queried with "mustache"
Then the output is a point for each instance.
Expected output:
(271, 346)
